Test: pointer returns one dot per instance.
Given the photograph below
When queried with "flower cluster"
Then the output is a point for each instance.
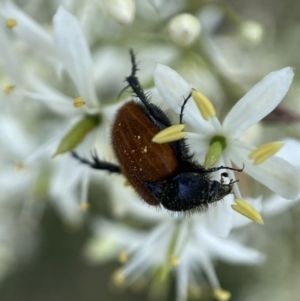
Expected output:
(61, 91)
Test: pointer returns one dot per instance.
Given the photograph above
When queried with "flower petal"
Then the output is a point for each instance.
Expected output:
(290, 151)
(30, 31)
(258, 102)
(75, 53)
(219, 218)
(276, 205)
(124, 236)
(14, 139)
(10, 59)
(275, 173)
(174, 89)
(54, 99)
(182, 278)
(231, 251)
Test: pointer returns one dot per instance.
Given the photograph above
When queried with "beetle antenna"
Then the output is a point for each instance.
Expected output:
(232, 182)
(183, 106)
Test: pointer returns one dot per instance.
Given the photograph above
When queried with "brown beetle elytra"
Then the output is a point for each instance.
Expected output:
(141, 160)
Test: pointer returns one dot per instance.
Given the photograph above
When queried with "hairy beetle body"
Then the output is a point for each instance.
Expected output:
(162, 174)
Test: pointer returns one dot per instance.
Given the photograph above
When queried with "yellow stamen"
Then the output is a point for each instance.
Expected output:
(204, 105)
(222, 295)
(78, 102)
(118, 278)
(19, 166)
(248, 211)
(84, 206)
(265, 151)
(170, 134)
(174, 260)
(11, 23)
(123, 257)
(8, 89)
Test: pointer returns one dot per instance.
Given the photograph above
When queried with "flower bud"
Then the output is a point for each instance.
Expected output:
(252, 32)
(184, 29)
(122, 11)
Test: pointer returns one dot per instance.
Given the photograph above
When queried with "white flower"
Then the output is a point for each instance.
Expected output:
(76, 60)
(18, 223)
(185, 247)
(35, 36)
(274, 172)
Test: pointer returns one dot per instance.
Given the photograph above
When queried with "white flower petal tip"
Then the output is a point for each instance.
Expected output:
(184, 29)
(11, 23)
(85, 206)
(75, 54)
(172, 87)
(123, 257)
(261, 100)
(170, 134)
(61, 12)
(264, 152)
(122, 11)
(276, 174)
(169, 78)
(8, 89)
(78, 102)
(118, 278)
(248, 211)
(222, 295)
(204, 105)
(283, 77)
(252, 32)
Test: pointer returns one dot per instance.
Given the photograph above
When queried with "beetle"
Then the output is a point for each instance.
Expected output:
(162, 174)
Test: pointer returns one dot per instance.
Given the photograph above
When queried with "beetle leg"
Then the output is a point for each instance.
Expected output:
(135, 85)
(98, 164)
(133, 80)
(223, 167)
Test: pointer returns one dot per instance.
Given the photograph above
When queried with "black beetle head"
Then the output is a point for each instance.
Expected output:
(189, 191)
(218, 191)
